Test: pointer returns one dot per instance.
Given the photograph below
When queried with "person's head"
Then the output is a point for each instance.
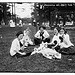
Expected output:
(56, 31)
(63, 31)
(19, 35)
(42, 28)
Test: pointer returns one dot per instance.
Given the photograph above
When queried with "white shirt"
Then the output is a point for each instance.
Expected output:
(56, 37)
(15, 47)
(66, 42)
(45, 35)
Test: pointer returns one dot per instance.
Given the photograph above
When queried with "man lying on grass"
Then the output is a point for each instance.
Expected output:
(17, 48)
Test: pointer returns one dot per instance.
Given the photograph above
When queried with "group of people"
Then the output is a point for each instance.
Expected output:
(60, 43)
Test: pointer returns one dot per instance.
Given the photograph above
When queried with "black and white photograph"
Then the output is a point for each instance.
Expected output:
(37, 37)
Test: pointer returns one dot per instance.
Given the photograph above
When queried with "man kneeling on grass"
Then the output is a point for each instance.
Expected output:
(17, 48)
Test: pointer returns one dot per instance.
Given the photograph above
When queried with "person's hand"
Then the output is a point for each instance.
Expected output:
(40, 38)
(22, 48)
(49, 43)
(63, 36)
(23, 53)
(53, 47)
(46, 44)
(44, 38)
(23, 42)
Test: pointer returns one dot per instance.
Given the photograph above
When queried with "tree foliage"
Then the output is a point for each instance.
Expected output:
(4, 14)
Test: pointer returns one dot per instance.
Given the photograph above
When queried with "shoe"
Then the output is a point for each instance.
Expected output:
(28, 54)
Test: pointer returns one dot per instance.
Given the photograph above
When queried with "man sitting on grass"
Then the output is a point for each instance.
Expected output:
(17, 48)
(41, 36)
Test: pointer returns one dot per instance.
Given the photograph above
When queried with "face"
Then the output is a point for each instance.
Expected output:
(61, 31)
(20, 36)
(55, 31)
(41, 29)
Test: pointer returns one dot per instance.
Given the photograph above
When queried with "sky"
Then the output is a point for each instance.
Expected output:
(23, 10)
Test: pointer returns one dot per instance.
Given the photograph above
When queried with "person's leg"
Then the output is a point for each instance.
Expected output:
(71, 50)
(57, 48)
(37, 41)
(17, 55)
(64, 51)
(28, 54)
(20, 56)
(50, 46)
(47, 40)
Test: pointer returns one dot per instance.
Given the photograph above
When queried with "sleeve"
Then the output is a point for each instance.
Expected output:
(66, 37)
(15, 46)
(46, 34)
(53, 39)
(68, 41)
(37, 35)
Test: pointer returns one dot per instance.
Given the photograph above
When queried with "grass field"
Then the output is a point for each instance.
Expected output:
(35, 63)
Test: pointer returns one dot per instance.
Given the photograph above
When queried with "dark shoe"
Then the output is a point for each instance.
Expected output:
(28, 54)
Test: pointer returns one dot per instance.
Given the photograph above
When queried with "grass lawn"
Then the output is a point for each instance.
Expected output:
(35, 63)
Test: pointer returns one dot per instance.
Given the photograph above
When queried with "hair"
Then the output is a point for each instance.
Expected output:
(64, 30)
(57, 29)
(55, 42)
(42, 27)
(18, 33)
(61, 38)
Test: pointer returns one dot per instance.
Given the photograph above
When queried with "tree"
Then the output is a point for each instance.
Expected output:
(4, 13)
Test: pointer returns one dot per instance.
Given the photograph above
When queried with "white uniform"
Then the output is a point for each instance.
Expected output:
(46, 52)
(66, 42)
(15, 47)
(46, 35)
(56, 37)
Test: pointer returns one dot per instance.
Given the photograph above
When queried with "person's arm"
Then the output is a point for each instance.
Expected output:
(16, 48)
(55, 46)
(18, 51)
(52, 42)
(46, 34)
(37, 35)
(66, 39)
